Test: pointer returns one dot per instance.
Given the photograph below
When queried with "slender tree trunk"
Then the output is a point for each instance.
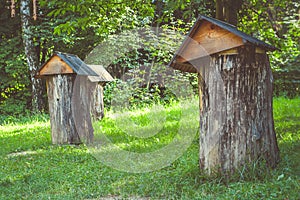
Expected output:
(37, 86)
(236, 123)
(159, 4)
(220, 10)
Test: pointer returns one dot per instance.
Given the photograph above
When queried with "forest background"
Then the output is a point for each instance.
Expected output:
(78, 27)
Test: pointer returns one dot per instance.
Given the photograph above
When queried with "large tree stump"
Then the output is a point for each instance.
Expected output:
(60, 90)
(70, 108)
(75, 93)
(236, 120)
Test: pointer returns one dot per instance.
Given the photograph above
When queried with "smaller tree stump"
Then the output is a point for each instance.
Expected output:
(74, 94)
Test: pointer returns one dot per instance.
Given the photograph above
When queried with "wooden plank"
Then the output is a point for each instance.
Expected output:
(103, 75)
(234, 51)
(259, 50)
(56, 66)
(207, 40)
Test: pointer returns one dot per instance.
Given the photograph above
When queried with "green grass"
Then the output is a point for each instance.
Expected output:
(32, 168)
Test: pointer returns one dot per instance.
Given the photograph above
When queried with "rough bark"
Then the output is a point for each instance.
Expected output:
(70, 98)
(81, 105)
(37, 86)
(97, 104)
(236, 120)
(63, 129)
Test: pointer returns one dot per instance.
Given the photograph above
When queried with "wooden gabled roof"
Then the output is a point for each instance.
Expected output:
(210, 36)
(247, 38)
(65, 63)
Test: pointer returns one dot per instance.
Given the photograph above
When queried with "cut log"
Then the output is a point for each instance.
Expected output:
(69, 106)
(236, 116)
(63, 129)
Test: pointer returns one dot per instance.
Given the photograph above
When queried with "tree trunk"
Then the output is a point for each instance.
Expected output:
(236, 120)
(63, 128)
(227, 10)
(70, 98)
(37, 86)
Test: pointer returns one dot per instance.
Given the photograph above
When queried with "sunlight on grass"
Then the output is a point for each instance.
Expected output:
(148, 147)
(32, 168)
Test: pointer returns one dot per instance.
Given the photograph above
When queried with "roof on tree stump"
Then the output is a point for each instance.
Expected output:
(65, 63)
(102, 74)
(210, 36)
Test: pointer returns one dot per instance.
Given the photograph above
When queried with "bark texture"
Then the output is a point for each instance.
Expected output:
(70, 100)
(63, 129)
(236, 117)
(81, 105)
(97, 104)
(37, 86)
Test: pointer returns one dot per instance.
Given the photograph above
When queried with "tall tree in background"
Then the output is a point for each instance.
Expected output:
(32, 57)
(227, 10)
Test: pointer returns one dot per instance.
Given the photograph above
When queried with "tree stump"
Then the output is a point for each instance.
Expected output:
(60, 90)
(75, 93)
(236, 113)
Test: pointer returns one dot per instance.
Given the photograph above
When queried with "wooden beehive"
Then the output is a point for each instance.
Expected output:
(209, 37)
(74, 93)
(235, 93)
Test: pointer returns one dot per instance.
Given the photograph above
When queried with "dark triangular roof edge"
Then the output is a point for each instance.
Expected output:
(76, 64)
(226, 26)
(81, 69)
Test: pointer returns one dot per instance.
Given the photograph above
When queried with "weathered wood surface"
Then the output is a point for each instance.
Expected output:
(97, 104)
(209, 39)
(56, 66)
(70, 108)
(81, 103)
(236, 120)
(63, 129)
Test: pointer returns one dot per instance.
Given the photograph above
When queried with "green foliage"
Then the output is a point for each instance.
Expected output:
(32, 168)
(14, 92)
(79, 27)
(138, 60)
(14, 75)
(277, 22)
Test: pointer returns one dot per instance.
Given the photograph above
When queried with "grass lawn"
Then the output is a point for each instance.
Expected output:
(32, 168)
